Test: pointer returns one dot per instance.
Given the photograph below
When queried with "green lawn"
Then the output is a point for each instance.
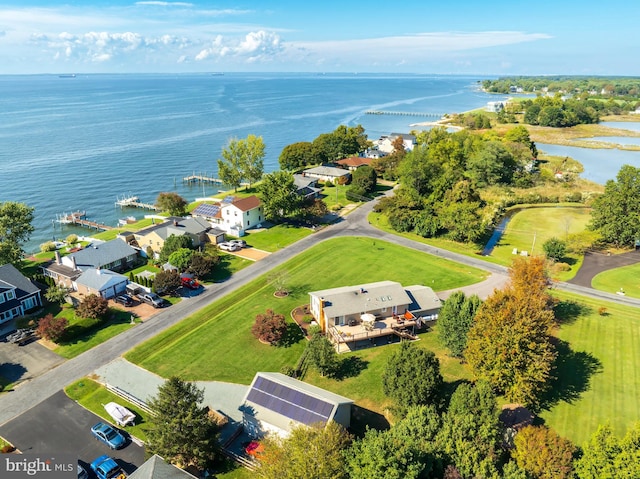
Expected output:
(626, 277)
(530, 228)
(598, 369)
(543, 222)
(88, 333)
(93, 396)
(276, 237)
(216, 342)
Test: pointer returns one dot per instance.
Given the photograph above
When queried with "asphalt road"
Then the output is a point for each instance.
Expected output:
(59, 425)
(33, 392)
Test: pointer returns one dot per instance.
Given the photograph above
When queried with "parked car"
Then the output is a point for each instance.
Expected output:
(82, 472)
(124, 299)
(228, 246)
(152, 299)
(239, 242)
(190, 283)
(106, 467)
(109, 435)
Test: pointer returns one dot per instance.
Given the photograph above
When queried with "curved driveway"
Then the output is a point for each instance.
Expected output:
(33, 392)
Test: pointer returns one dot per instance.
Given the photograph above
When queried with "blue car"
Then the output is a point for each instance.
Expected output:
(109, 435)
(106, 467)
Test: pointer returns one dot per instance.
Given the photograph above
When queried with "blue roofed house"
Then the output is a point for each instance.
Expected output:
(276, 403)
(114, 255)
(18, 294)
(101, 282)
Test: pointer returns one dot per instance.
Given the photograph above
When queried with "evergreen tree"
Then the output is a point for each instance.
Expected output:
(454, 321)
(181, 432)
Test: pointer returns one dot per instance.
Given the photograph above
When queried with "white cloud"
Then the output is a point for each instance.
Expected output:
(254, 47)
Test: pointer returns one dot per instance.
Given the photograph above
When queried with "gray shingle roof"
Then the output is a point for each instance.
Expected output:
(100, 279)
(10, 278)
(156, 468)
(103, 253)
(327, 171)
(356, 299)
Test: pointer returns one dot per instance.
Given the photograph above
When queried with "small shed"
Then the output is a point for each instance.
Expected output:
(277, 403)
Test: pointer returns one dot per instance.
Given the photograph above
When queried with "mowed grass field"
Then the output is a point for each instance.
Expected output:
(216, 343)
(531, 227)
(626, 277)
(599, 369)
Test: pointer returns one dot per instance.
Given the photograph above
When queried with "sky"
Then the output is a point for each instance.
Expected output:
(356, 36)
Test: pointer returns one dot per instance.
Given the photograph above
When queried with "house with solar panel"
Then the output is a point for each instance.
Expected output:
(232, 215)
(352, 315)
(276, 403)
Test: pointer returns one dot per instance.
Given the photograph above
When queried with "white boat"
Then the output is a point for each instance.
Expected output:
(120, 414)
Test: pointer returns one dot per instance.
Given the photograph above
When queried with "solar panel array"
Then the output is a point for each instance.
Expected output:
(229, 199)
(207, 210)
(289, 402)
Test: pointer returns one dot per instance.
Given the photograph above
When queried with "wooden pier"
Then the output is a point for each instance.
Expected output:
(197, 179)
(404, 113)
(79, 218)
(134, 202)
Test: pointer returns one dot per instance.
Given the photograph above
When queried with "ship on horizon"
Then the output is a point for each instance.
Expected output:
(67, 75)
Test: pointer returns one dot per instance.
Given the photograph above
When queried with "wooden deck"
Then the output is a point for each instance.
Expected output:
(346, 336)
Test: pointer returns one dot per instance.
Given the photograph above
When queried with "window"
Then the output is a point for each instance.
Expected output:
(384, 310)
(11, 294)
(1, 297)
(248, 223)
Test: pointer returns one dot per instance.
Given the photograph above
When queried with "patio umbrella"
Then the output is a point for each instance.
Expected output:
(368, 318)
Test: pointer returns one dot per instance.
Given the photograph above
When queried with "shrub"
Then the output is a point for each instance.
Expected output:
(269, 327)
(71, 239)
(48, 246)
(52, 328)
(602, 311)
(93, 306)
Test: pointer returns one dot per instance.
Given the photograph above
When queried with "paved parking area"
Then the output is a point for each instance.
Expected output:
(59, 424)
(21, 363)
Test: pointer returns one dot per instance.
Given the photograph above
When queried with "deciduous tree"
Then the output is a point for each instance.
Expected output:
(314, 452)
(554, 248)
(455, 319)
(364, 178)
(322, 355)
(171, 202)
(297, 155)
(269, 327)
(181, 432)
(542, 453)
(509, 343)
(52, 328)
(167, 282)
(174, 243)
(202, 264)
(181, 258)
(15, 230)
(56, 294)
(412, 377)
(278, 195)
(242, 160)
(93, 306)
(616, 213)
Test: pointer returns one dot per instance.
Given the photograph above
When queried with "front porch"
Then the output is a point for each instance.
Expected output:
(358, 332)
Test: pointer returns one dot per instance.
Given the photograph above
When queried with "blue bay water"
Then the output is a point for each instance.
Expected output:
(70, 144)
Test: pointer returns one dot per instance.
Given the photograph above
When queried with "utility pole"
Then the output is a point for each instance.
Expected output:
(534, 242)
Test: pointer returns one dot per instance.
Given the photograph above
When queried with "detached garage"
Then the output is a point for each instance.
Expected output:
(102, 282)
(277, 403)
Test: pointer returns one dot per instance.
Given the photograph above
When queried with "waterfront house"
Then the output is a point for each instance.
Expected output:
(353, 313)
(232, 215)
(155, 235)
(306, 186)
(354, 162)
(494, 106)
(276, 403)
(101, 282)
(385, 143)
(114, 255)
(327, 173)
(18, 295)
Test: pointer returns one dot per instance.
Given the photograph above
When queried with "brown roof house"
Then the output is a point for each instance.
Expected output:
(354, 162)
(18, 294)
(233, 215)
